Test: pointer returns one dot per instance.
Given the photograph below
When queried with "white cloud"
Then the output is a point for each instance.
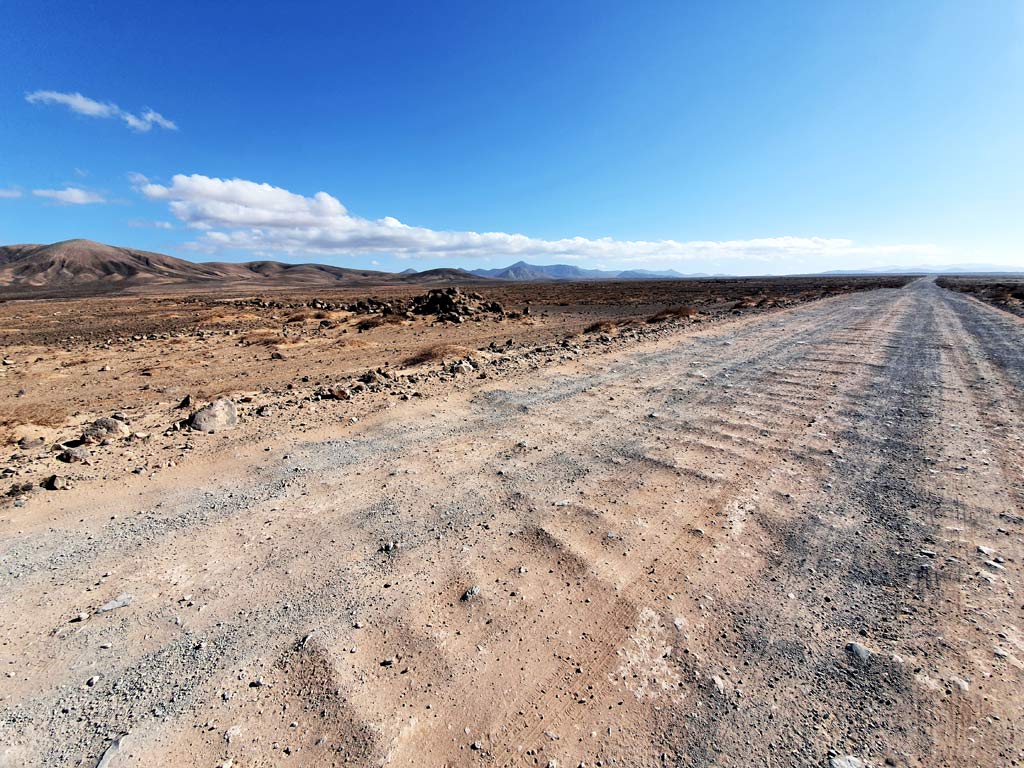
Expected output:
(138, 224)
(246, 215)
(83, 105)
(70, 196)
(9, 194)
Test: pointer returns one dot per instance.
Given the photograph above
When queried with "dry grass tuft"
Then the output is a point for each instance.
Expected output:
(602, 326)
(38, 414)
(437, 352)
(673, 313)
(376, 321)
(266, 337)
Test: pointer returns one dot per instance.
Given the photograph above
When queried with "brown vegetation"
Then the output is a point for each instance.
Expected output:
(436, 352)
(29, 414)
(673, 313)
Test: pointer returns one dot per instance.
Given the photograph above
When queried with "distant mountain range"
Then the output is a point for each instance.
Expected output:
(84, 266)
(523, 272)
(948, 269)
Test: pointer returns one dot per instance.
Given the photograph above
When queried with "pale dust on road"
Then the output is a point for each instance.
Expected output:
(674, 546)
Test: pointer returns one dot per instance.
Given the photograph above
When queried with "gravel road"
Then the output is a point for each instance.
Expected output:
(788, 540)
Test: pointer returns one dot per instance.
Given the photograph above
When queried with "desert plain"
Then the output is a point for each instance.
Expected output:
(741, 522)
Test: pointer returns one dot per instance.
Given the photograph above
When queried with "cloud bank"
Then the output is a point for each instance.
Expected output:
(83, 105)
(9, 194)
(70, 196)
(236, 214)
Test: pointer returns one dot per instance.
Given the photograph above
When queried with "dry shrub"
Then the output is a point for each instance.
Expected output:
(300, 316)
(77, 361)
(601, 326)
(211, 392)
(264, 337)
(673, 313)
(39, 414)
(437, 352)
(353, 343)
(376, 321)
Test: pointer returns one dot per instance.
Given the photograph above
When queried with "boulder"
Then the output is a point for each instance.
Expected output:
(74, 455)
(859, 653)
(104, 429)
(334, 392)
(216, 416)
(846, 761)
(55, 483)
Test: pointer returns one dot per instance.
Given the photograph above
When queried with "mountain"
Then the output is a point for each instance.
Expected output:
(522, 271)
(84, 266)
(526, 272)
(931, 269)
(646, 274)
(74, 262)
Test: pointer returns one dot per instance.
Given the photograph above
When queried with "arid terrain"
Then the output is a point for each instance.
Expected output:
(766, 522)
(1004, 291)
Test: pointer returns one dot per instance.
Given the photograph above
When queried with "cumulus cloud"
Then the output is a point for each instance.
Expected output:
(252, 216)
(83, 105)
(9, 194)
(70, 196)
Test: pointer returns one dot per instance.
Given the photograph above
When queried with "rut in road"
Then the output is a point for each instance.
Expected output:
(673, 547)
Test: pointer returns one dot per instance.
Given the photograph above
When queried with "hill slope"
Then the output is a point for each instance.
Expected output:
(75, 262)
(87, 266)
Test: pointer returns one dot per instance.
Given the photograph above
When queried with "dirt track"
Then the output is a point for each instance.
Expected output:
(674, 546)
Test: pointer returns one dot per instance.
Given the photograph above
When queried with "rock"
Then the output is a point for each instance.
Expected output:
(19, 489)
(847, 761)
(470, 593)
(104, 429)
(859, 653)
(276, 356)
(92, 680)
(31, 443)
(214, 417)
(334, 392)
(55, 483)
(463, 367)
(76, 455)
(120, 601)
(186, 402)
(110, 753)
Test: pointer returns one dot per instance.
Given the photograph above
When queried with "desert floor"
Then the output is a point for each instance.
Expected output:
(789, 537)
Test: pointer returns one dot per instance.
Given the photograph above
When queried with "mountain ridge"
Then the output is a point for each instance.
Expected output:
(82, 265)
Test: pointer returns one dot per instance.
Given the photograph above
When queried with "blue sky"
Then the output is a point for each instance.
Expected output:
(749, 137)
